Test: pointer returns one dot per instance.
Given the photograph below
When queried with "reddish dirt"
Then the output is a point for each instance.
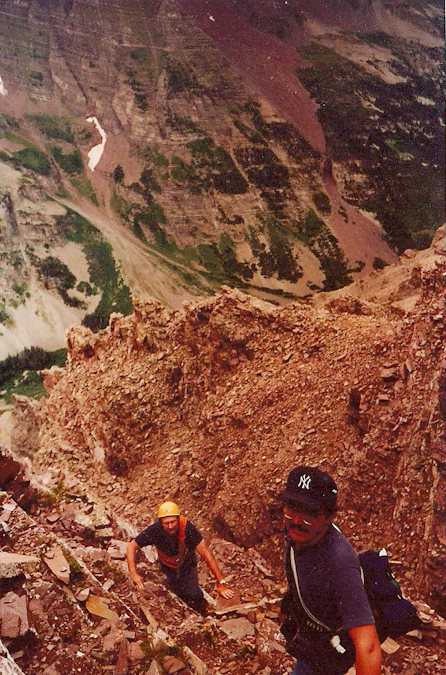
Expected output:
(266, 62)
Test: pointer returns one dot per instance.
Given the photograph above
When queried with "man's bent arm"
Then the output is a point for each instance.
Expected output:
(210, 561)
(367, 649)
(130, 553)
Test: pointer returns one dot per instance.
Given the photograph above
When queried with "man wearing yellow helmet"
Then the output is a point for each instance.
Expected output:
(177, 541)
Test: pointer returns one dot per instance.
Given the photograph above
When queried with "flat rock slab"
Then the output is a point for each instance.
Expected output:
(13, 564)
(58, 564)
(173, 665)
(224, 605)
(13, 615)
(237, 629)
(116, 549)
(99, 607)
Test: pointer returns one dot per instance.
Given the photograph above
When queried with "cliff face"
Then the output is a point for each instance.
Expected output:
(212, 404)
(277, 149)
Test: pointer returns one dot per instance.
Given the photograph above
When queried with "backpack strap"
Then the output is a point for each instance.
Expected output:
(301, 600)
(174, 562)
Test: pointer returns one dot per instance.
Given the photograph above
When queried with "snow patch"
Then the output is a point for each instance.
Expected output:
(3, 90)
(95, 153)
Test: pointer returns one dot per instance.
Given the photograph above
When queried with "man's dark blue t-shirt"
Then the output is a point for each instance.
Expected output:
(330, 582)
(168, 543)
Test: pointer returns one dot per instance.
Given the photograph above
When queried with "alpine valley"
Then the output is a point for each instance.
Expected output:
(282, 148)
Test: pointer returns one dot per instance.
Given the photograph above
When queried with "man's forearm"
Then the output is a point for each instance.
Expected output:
(130, 553)
(368, 650)
(209, 560)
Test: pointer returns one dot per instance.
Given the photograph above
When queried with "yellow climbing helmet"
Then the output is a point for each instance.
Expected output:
(168, 509)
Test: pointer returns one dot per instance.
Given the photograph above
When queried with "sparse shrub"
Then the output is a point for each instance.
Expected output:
(378, 263)
(70, 162)
(311, 227)
(178, 77)
(118, 174)
(322, 203)
(53, 127)
(35, 78)
(33, 158)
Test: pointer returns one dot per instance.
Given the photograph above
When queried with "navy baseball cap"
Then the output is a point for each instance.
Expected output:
(311, 487)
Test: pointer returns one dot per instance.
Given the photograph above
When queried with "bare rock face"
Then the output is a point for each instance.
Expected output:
(25, 437)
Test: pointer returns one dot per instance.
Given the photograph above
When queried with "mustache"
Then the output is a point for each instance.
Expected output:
(296, 526)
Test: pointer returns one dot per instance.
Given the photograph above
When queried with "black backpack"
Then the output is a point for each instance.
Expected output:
(394, 615)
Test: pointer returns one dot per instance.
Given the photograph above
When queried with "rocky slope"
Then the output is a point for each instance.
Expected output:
(212, 404)
(302, 160)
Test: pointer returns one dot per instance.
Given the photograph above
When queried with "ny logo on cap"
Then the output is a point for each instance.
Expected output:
(304, 481)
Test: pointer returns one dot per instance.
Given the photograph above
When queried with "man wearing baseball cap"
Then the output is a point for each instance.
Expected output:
(326, 617)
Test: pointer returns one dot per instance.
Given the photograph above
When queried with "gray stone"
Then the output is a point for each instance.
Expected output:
(13, 564)
(172, 665)
(237, 629)
(135, 652)
(58, 564)
(154, 669)
(13, 615)
(116, 549)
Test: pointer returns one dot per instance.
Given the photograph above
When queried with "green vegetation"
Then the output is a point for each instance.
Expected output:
(104, 274)
(149, 181)
(141, 55)
(118, 174)
(15, 138)
(77, 573)
(253, 108)
(298, 149)
(398, 141)
(278, 258)
(151, 215)
(7, 121)
(84, 188)
(322, 203)
(120, 205)
(19, 374)
(182, 124)
(35, 78)
(33, 158)
(57, 275)
(70, 162)
(315, 234)
(248, 132)
(221, 261)
(211, 167)
(311, 228)
(153, 156)
(4, 316)
(53, 127)
(179, 78)
(263, 168)
(138, 87)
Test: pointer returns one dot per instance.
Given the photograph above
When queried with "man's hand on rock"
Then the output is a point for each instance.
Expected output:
(137, 580)
(224, 591)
